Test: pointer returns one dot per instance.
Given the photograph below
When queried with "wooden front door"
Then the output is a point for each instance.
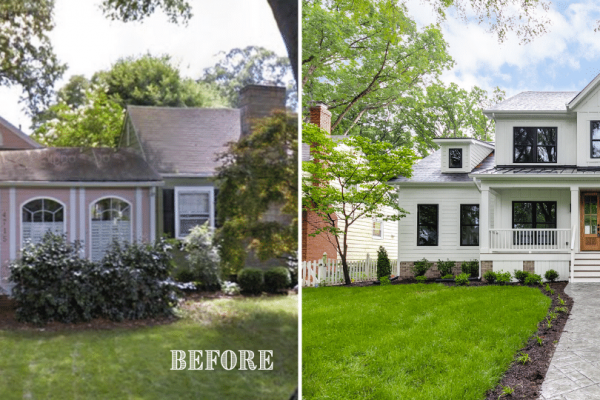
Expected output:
(590, 230)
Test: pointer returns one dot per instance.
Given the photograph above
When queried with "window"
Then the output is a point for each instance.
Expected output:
(534, 145)
(455, 158)
(41, 216)
(111, 220)
(534, 215)
(193, 206)
(595, 139)
(469, 224)
(377, 228)
(427, 225)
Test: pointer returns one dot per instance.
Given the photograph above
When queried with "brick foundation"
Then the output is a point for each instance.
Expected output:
(529, 266)
(486, 266)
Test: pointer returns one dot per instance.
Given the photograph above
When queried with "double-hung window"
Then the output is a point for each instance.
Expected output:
(595, 139)
(193, 206)
(377, 228)
(427, 225)
(534, 145)
(534, 215)
(469, 224)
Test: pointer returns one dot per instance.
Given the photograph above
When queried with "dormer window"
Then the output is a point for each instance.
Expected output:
(455, 158)
(595, 139)
(534, 145)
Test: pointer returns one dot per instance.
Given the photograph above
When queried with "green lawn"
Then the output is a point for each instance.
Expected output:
(136, 363)
(413, 341)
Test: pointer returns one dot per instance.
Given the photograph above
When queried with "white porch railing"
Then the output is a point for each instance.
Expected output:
(331, 272)
(517, 240)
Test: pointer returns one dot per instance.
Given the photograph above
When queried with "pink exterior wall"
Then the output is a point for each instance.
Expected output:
(64, 196)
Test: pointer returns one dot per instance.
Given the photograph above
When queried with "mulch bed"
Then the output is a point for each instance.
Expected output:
(526, 380)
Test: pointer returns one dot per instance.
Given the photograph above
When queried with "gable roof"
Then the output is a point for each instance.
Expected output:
(184, 141)
(534, 101)
(583, 93)
(75, 165)
(14, 138)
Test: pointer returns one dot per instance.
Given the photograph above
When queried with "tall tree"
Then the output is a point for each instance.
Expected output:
(258, 194)
(349, 179)
(359, 57)
(251, 65)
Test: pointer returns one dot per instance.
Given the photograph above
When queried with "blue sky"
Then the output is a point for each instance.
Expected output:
(88, 42)
(564, 59)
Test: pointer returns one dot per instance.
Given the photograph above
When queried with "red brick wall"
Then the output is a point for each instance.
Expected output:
(313, 247)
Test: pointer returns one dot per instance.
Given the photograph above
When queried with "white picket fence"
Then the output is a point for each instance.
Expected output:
(331, 272)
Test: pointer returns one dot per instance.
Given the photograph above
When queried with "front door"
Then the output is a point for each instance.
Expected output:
(590, 234)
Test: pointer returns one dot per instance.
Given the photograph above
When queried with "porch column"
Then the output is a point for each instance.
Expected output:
(575, 214)
(484, 221)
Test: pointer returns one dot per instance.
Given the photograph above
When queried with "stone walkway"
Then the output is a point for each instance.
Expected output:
(574, 371)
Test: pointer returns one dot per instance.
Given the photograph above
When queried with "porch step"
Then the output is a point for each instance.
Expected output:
(587, 255)
(582, 279)
(586, 267)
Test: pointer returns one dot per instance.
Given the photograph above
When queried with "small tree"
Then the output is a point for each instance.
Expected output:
(383, 263)
(349, 178)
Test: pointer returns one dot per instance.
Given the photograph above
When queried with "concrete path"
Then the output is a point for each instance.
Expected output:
(574, 371)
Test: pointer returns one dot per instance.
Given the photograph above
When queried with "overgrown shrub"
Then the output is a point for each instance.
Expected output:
(277, 279)
(202, 257)
(521, 276)
(533, 279)
(551, 275)
(385, 280)
(421, 278)
(133, 281)
(383, 263)
(421, 267)
(230, 288)
(251, 280)
(503, 277)
(490, 276)
(462, 279)
(471, 268)
(445, 267)
(52, 283)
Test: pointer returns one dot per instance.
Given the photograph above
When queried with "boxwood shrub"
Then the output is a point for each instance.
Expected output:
(445, 267)
(251, 280)
(533, 279)
(471, 268)
(551, 275)
(490, 276)
(462, 279)
(421, 267)
(521, 276)
(277, 279)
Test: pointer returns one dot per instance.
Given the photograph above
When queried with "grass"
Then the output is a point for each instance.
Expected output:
(413, 341)
(136, 363)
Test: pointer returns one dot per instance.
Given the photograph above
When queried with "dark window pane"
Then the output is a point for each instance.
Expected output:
(546, 136)
(523, 154)
(427, 225)
(455, 158)
(595, 130)
(545, 213)
(427, 236)
(596, 149)
(524, 136)
(523, 213)
(522, 226)
(469, 215)
(469, 236)
(428, 215)
(546, 154)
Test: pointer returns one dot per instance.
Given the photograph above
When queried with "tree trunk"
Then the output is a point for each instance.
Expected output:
(346, 271)
(286, 16)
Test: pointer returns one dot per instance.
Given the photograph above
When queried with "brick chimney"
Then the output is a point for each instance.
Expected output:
(321, 117)
(259, 101)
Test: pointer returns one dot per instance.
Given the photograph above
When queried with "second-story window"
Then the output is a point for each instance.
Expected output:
(534, 145)
(455, 160)
(595, 139)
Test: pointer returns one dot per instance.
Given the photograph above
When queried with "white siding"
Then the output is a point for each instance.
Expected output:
(478, 153)
(361, 241)
(449, 201)
(562, 267)
(465, 158)
(588, 110)
(566, 139)
(507, 266)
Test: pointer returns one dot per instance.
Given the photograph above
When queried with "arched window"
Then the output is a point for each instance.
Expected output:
(41, 216)
(111, 219)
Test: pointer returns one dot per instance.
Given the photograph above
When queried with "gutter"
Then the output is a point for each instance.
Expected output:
(81, 184)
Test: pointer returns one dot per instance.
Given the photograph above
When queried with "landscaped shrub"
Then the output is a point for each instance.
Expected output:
(462, 279)
(385, 280)
(251, 280)
(445, 267)
(521, 276)
(53, 283)
(449, 276)
(471, 268)
(503, 277)
(490, 276)
(203, 257)
(421, 267)
(133, 281)
(277, 279)
(533, 279)
(421, 278)
(551, 275)
(383, 263)
(230, 288)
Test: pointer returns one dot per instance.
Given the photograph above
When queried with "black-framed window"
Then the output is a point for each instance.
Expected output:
(534, 215)
(455, 158)
(534, 145)
(427, 225)
(469, 224)
(595, 139)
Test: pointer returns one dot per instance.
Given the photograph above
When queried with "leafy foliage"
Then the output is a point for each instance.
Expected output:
(277, 279)
(490, 277)
(503, 277)
(384, 280)
(521, 276)
(203, 257)
(471, 268)
(445, 267)
(551, 275)
(421, 278)
(251, 280)
(462, 279)
(533, 279)
(383, 263)
(258, 200)
(421, 267)
(449, 276)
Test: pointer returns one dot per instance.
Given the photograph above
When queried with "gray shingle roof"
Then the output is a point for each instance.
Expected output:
(429, 169)
(184, 140)
(75, 164)
(535, 101)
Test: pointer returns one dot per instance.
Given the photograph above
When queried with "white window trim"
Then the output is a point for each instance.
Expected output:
(90, 213)
(381, 222)
(64, 206)
(195, 189)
